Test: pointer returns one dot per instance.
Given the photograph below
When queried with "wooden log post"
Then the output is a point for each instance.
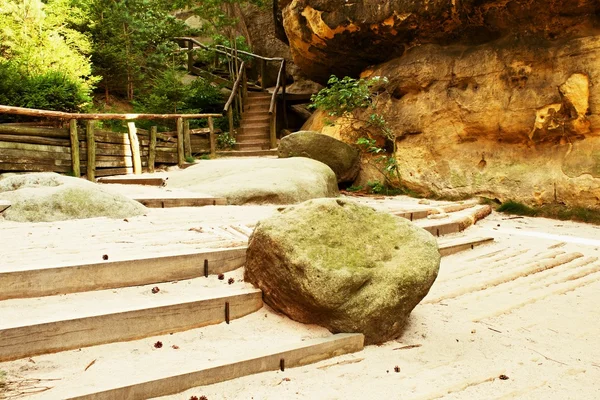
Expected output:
(273, 135)
(190, 60)
(244, 90)
(263, 72)
(152, 149)
(230, 117)
(135, 148)
(187, 143)
(180, 146)
(213, 147)
(75, 163)
(91, 150)
(285, 117)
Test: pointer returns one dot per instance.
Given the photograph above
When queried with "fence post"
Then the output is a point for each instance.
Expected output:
(263, 72)
(211, 128)
(187, 143)
(230, 116)
(285, 117)
(244, 89)
(190, 59)
(152, 149)
(75, 166)
(273, 135)
(134, 143)
(180, 147)
(91, 150)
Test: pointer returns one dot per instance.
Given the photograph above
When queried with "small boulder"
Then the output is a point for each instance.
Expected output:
(47, 196)
(259, 180)
(343, 266)
(342, 158)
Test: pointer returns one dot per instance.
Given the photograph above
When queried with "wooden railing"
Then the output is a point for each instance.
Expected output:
(233, 58)
(55, 137)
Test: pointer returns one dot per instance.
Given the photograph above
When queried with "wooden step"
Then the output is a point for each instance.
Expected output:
(47, 280)
(153, 377)
(263, 95)
(190, 201)
(258, 145)
(256, 118)
(255, 131)
(31, 327)
(133, 180)
(254, 125)
(243, 136)
(248, 153)
(455, 222)
(454, 246)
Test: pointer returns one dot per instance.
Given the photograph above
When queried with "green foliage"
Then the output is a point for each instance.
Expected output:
(513, 207)
(344, 96)
(556, 211)
(38, 37)
(354, 188)
(225, 141)
(132, 42)
(383, 189)
(190, 159)
(51, 90)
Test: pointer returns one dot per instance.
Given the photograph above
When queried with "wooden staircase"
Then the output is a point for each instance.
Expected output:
(254, 127)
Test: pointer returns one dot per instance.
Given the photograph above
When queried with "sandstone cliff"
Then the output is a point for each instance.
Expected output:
(498, 98)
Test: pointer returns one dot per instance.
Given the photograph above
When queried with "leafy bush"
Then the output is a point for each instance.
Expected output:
(49, 91)
(225, 141)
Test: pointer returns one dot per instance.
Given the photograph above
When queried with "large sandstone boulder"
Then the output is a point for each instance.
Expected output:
(43, 197)
(259, 180)
(342, 265)
(343, 38)
(342, 158)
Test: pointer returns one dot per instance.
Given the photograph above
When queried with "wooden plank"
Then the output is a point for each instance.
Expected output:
(31, 155)
(91, 151)
(48, 281)
(32, 167)
(50, 337)
(146, 181)
(75, 162)
(458, 245)
(412, 215)
(34, 140)
(186, 139)
(152, 149)
(35, 131)
(213, 146)
(114, 171)
(36, 147)
(193, 373)
(181, 202)
(4, 204)
(135, 149)
(180, 144)
(11, 159)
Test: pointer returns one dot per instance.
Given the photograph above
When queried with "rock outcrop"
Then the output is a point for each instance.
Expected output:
(343, 38)
(310, 268)
(44, 197)
(259, 180)
(342, 158)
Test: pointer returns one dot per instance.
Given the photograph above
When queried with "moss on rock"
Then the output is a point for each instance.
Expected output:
(343, 266)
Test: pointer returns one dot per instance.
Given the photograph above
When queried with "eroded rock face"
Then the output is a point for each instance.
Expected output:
(344, 37)
(342, 158)
(343, 266)
(508, 120)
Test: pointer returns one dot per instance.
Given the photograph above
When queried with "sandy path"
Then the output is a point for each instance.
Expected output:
(524, 306)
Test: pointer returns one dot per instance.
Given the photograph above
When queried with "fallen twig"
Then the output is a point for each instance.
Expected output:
(410, 346)
(89, 365)
(353, 361)
(548, 358)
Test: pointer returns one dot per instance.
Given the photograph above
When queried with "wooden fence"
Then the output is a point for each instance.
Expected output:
(77, 144)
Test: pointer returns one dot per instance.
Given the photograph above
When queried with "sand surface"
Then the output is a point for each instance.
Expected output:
(524, 307)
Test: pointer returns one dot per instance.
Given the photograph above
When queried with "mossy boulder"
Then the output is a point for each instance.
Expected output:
(343, 266)
(44, 197)
(259, 180)
(342, 158)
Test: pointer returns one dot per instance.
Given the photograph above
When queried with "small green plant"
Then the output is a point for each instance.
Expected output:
(190, 159)
(351, 98)
(225, 141)
(204, 157)
(513, 207)
(555, 211)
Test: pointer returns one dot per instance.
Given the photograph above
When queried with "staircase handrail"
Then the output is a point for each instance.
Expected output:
(234, 88)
